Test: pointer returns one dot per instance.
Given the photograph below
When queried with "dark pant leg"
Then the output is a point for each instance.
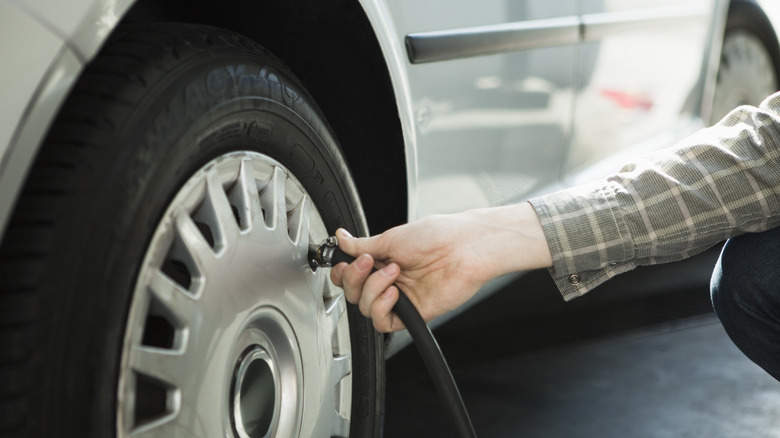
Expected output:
(746, 296)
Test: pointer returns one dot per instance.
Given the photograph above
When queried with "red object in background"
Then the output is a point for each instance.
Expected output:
(626, 100)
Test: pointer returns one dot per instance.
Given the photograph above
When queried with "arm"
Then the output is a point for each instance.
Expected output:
(720, 182)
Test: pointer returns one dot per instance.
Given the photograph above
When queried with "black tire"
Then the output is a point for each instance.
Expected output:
(158, 103)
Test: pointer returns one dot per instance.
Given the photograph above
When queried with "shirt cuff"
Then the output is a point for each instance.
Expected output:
(588, 236)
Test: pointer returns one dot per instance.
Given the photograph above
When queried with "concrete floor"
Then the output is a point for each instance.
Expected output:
(652, 366)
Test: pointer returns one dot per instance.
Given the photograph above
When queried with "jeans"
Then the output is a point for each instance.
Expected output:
(745, 292)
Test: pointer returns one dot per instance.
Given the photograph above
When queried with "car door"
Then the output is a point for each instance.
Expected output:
(640, 83)
(491, 86)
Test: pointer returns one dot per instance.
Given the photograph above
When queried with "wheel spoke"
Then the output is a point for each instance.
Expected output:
(340, 367)
(160, 364)
(221, 212)
(197, 248)
(173, 297)
(246, 197)
(298, 223)
(273, 201)
(334, 308)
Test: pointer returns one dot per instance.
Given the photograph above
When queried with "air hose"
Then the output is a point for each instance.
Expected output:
(329, 254)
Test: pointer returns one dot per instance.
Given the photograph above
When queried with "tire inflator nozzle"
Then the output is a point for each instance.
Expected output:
(327, 254)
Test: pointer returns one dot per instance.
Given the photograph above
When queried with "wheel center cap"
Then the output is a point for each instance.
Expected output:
(254, 393)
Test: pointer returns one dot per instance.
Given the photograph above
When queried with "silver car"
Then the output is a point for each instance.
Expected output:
(164, 166)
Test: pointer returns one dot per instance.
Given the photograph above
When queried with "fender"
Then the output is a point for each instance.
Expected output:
(60, 37)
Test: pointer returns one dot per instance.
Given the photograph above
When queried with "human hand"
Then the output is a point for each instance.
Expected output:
(440, 261)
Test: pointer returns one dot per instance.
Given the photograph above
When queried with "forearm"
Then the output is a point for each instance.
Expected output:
(512, 238)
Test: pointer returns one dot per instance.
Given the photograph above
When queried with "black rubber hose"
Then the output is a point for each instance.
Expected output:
(431, 355)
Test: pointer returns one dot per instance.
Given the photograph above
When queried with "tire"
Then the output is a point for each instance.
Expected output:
(749, 61)
(154, 276)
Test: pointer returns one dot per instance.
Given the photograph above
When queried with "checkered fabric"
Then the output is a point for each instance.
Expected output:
(721, 182)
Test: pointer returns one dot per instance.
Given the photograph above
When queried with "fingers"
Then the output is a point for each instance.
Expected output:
(351, 277)
(373, 288)
(374, 293)
(385, 321)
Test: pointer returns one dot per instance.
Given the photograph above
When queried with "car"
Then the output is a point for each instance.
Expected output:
(165, 165)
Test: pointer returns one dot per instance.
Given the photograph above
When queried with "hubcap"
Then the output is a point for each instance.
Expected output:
(230, 332)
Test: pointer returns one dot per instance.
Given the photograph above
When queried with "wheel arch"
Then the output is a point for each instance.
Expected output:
(334, 51)
(332, 47)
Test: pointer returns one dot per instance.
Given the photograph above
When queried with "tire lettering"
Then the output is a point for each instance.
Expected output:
(236, 74)
(299, 154)
(194, 97)
(234, 130)
(335, 211)
(317, 177)
(259, 130)
(218, 81)
(290, 97)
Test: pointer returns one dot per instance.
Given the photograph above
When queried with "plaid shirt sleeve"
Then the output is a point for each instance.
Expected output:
(721, 182)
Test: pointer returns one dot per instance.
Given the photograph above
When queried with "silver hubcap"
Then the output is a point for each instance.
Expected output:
(746, 75)
(230, 332)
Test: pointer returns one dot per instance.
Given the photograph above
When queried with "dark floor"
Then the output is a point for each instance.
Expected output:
(618, 365)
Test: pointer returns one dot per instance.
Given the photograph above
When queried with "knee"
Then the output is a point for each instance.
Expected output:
(745, 293)
(746, 279)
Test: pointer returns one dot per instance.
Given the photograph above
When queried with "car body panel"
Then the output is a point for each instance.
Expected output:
(690, 119)
(25, 69)
(490, 132)
(83, 25)
(646, 59)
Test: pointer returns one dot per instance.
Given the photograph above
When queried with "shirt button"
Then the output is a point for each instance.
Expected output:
(574, 279)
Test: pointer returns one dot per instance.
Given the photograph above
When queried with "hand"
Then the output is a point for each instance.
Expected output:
(440, 261)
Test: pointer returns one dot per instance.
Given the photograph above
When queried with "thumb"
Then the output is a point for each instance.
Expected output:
(355, 246)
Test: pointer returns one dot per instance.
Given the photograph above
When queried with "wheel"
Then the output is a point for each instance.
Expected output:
(747, 73)
(154, 279)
